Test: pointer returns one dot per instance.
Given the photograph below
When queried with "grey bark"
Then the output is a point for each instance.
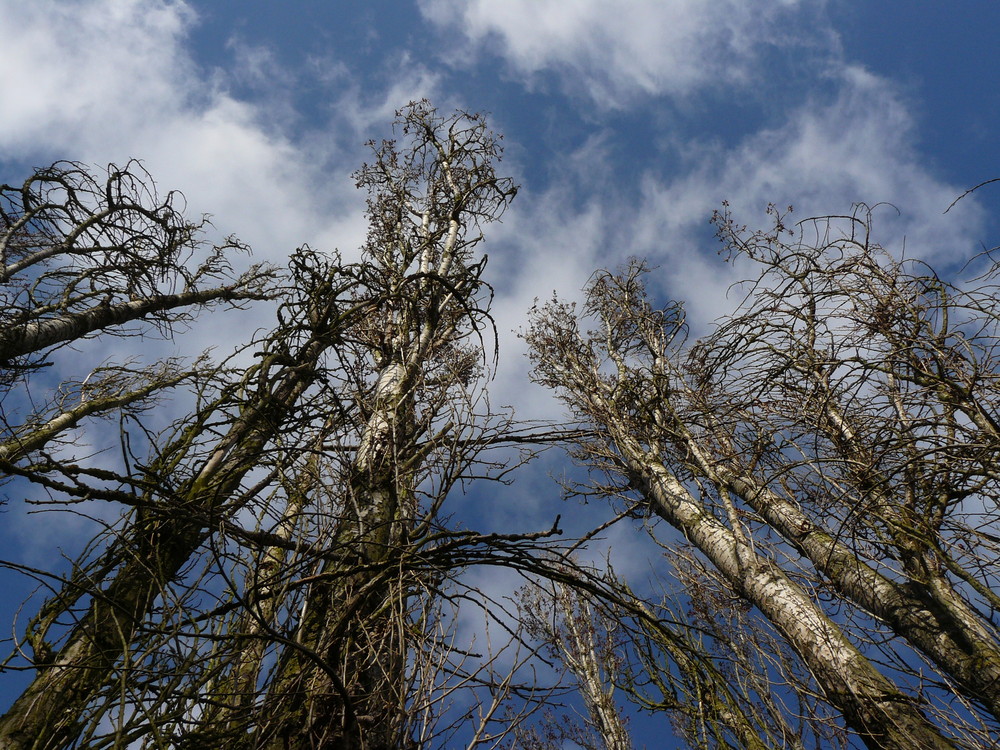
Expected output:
(41, 334)
(619, 379)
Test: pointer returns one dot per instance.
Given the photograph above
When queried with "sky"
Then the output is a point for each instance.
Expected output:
(625, 122)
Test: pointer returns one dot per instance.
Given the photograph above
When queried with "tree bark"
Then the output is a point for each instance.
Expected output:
(32, 337)
(882, 716)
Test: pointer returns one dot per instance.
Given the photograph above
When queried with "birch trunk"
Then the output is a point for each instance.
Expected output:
(37, 335)
(619, 378)
(343, 683)
(872, 705)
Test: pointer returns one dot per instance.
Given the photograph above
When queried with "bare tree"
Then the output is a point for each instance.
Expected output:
(747, 689)
(280, 570)
(174, 498)
(698, 654)
(82, 255)
(414, 366)
(283, 573)
(829, 452)
(587, 644)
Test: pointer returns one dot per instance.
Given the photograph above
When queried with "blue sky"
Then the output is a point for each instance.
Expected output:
(626, 122)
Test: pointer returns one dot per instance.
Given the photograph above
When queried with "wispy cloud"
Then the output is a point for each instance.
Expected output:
(615, 49)
(854, 140)
(75, 70)
(858, 145)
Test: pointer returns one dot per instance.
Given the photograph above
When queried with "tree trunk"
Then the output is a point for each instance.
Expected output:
(872, 705)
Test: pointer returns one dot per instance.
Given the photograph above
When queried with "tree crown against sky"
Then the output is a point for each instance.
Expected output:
(827, 455)
(308, 484)
(285, 570)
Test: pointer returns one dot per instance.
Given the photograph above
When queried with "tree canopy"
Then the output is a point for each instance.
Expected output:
(282, 568)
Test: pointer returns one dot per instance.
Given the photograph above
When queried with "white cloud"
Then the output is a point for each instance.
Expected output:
(547, 243)
(366, 112)
(853, 141)
(109, 80)
(619, 48)
(856, 146)
(70, 66)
